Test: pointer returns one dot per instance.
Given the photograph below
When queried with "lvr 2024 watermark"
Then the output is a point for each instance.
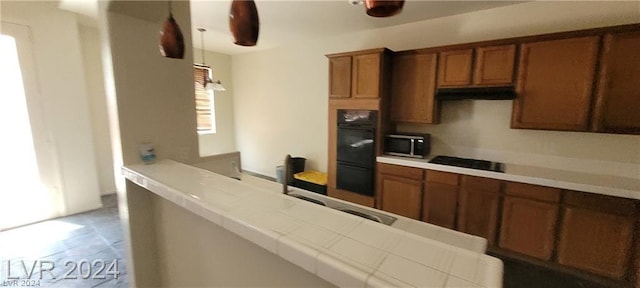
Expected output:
(21, 272)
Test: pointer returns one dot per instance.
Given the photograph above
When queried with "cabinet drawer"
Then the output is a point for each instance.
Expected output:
(481, 183)
(402, 171)
(442, 177)
(535, 192)
(607, 204)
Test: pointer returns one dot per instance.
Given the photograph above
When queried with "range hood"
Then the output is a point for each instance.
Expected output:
(477, 93)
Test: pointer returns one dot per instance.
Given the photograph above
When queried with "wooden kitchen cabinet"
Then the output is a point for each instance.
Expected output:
(555, 84)
(358, 75)
(440, 200)
(413, 88)
(493, 66)
(596, 234)
(479, 206)
(401, 190)
(340, 77)
(529, 217)
(618, 96)
(455, 68)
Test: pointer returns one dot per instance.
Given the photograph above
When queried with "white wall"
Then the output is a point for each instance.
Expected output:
(281, 94)
(224, 140)
(60, 74)
(92, 59)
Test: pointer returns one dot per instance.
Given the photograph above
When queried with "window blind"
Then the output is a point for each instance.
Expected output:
(203, 100)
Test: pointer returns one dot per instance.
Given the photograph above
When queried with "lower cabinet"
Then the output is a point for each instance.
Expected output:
(582, 231)
(529, 217)
(597, 238)
(478, 208)
(401, 190)
(440, 201)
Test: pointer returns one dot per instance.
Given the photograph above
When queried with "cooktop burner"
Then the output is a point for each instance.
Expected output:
(468, 163)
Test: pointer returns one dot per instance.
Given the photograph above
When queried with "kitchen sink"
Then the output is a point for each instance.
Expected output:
(346, 208)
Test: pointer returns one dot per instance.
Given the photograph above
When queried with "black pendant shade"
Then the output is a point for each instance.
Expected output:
(171, 39)
(383, 8)
(244, 22)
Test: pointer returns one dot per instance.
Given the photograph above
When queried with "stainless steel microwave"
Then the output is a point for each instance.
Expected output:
(414, 145)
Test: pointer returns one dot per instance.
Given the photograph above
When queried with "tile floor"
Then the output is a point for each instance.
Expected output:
(57, 245)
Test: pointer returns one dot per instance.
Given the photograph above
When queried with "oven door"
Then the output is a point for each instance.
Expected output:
(355, 179)
(356, 145)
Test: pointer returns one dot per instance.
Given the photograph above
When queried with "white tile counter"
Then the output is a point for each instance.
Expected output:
(584, 182)
(343, 249)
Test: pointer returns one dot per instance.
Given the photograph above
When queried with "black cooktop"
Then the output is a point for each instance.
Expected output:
(468, 163)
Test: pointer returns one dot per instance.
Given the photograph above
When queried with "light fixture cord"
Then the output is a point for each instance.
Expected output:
(202, 47)
(169, 4)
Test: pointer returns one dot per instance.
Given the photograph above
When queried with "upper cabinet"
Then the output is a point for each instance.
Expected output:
(358, 75)
(455, 68)
(340, 77)
(618, 92)
(413, 88)
(492, 66)
(555, 82)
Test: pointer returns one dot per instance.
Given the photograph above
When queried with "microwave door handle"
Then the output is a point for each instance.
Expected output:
(411, 149)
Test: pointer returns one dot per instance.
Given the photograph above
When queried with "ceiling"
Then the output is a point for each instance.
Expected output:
(288, 21)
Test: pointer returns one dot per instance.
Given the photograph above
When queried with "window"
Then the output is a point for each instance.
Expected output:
(205, 112)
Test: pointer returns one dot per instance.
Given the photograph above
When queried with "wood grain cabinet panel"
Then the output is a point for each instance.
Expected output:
(440, 204)
(340, 77)
(494, 65)
(617, 107)
(555, 84)
(413, 88)
(455, 68)
(400, 189)
(402, 196)
(478, 207)
(528, 227)
(366, 76)
(595, 241)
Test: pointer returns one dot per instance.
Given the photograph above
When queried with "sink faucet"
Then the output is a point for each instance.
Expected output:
(287, 171)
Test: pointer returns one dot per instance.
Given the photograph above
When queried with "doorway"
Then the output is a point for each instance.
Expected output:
(30, 189)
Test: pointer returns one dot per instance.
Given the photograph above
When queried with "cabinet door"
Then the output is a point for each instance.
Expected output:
(366, 76)
(340, 77)
(478, 207)
(528, 227)
(413, 86)
(401, 196)
(455, 68)
(555, 84)
(595, 241)
(439, 204)
(618, 98)
(494, 65)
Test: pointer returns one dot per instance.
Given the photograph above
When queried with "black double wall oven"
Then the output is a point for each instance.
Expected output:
(356, 151)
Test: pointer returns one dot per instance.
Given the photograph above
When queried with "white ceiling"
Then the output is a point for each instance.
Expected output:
(290, 21)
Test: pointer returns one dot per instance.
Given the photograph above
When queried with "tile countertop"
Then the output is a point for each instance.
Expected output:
(343, 249)
(577, 181)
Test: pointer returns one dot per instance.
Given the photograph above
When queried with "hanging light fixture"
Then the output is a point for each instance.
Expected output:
(383, 8)
(244, 22)
(208, 83)
(171, 39)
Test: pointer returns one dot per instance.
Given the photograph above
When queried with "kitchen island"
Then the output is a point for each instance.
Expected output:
(321, 246)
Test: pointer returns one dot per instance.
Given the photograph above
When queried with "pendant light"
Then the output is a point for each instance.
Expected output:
(244, 22)
(171, 39)
(383, 8)
(208, 83)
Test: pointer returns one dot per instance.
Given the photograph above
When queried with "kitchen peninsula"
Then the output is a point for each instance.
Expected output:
(225, 219)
